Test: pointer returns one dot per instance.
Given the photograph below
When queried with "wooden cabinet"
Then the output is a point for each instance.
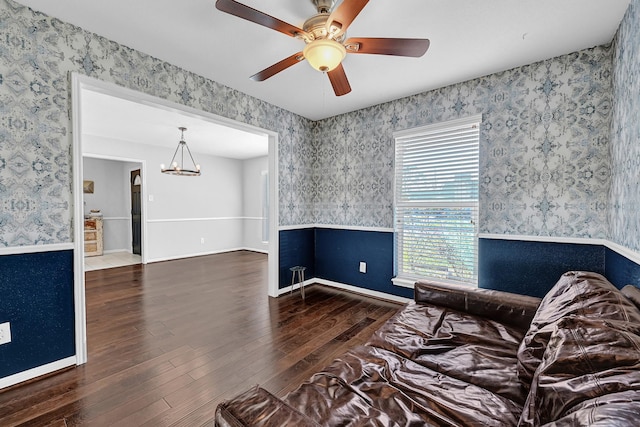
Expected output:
(92, 236)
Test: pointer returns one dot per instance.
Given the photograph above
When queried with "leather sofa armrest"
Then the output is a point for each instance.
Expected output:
(632, 293)
(258, 407)
(505, 307)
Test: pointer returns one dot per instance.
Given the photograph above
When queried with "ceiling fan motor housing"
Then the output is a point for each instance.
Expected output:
(316, 26)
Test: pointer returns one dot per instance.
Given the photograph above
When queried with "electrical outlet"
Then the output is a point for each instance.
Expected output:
(202, 240)
(363, 267)
(5, 333)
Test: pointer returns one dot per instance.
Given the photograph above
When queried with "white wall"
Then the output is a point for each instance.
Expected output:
(111, 196)
(252, 203)
(182, 211)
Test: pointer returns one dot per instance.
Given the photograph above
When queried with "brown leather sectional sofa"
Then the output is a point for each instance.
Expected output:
(459, 356)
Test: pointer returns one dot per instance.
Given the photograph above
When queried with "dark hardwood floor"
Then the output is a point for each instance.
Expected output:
(168, 341)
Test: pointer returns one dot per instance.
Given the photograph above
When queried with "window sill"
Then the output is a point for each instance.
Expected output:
(410, 283)
(404, 282)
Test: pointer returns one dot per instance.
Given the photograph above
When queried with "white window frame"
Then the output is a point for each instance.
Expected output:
(405, 278)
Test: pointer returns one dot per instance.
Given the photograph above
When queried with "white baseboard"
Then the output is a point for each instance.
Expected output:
(262, 251)
(287, 289)
(36, 372)
(113, 251)
(220, 251)
(350, 288)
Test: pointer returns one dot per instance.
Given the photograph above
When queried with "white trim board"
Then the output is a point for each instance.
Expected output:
(198, 254)
(543, 239)
(36, 372)
(350, 288)
(116, 251)
(32, 249)
(218, 218)
(336, 227)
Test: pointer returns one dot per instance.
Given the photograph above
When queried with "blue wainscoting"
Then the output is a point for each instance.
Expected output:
(532, 268)
(36, 296)
(523, 267)
(297, 247)
(620, 270)
(338, 256)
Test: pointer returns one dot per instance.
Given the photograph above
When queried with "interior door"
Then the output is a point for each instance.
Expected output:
(136, 212)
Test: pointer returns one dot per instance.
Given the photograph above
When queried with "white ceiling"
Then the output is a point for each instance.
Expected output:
(116, 118)
(469, 39)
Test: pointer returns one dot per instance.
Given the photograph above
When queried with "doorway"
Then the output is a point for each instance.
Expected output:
(136, 212)
(82, 85)
(110, 204)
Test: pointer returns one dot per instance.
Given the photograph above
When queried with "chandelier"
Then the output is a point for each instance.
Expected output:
(177, 167)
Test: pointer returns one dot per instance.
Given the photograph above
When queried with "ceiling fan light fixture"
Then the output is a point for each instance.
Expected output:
(324, 54)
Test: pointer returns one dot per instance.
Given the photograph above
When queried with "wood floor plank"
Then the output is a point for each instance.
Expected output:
(168, 341)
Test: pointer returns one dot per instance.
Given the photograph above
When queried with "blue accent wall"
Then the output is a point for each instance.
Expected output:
(335, 255)
(36, 296)
(620, 270)
(522, 267)
(532, 268)
(297, 247)
(338, 256)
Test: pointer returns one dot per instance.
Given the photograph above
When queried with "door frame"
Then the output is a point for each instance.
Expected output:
(80, 83)
(142, 165)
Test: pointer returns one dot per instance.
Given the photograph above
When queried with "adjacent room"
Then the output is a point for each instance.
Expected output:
(319, 212)
(223, 209)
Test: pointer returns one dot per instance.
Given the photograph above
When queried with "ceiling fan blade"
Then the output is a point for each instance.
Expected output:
(250, 14)
(381, 46)
(339, 81)
(277, 67)
(343, 15)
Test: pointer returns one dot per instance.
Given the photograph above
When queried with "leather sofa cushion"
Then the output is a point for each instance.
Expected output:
(577, 293)
(369, 386)
(588, 365)
(463, 346)
(620, 411)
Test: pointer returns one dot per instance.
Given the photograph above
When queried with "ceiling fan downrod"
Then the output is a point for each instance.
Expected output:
(323, 6)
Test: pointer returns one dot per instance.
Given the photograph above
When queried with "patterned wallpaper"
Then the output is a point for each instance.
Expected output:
(624, 216)
(544, 141)
(544, 149)
(37, 54)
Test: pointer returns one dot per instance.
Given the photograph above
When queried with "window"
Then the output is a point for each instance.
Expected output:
(436, 202)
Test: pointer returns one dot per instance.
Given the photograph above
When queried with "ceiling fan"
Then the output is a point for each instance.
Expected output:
(324, 36)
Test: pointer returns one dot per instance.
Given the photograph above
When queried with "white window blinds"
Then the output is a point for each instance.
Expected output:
(436, 201)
